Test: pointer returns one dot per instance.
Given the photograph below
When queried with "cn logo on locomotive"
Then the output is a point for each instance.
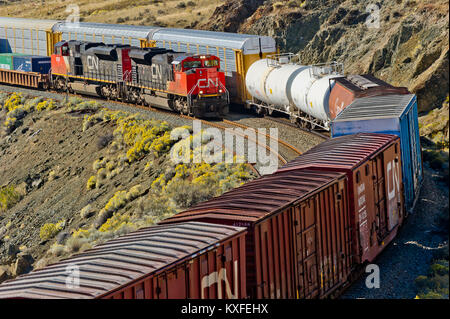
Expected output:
(209, 83)
(92, 62)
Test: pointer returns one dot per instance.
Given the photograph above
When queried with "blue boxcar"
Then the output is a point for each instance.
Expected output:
(389, 114)
(32, 63)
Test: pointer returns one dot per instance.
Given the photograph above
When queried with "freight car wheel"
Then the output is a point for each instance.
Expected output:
(260, 111)
(60, 84)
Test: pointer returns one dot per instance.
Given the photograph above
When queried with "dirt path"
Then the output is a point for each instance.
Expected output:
(410, 254)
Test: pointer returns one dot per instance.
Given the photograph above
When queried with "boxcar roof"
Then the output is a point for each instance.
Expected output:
(345, 152)
(260, 198)
(246, 42)
(377, 107)
(21, 23)
(116, 263)
(117, 30)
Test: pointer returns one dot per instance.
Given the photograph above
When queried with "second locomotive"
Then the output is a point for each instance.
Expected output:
(182, 82)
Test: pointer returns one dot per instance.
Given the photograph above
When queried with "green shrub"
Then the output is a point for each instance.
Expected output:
(134, 193)
(77, 244)
(86, 212)
(435, 284)
(186, 194)
(8, 198)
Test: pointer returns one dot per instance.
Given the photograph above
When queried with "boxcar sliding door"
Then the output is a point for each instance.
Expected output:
(305, 230)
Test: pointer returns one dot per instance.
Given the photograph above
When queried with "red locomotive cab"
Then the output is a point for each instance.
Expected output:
(60, 61)
(198, 75)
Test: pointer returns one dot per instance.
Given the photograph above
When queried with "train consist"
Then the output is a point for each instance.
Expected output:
(237, 52)
(255, 75)
(305, 231)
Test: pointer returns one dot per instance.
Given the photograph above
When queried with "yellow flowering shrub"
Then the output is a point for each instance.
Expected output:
(46, 105)
(116, 222)
(48, 231)
(91, 183)
(13, 101)
(118, 201)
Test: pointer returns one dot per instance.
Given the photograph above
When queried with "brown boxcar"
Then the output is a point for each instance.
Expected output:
(372, 163)
(188, 260)
(351, 87)
(298, 240)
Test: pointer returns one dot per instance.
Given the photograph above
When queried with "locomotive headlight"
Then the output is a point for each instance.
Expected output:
(220, 91)
(201, 92)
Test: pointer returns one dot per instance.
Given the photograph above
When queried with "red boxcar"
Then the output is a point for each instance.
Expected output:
(351, 87)
(372, 163)
(298, 241)
(189, 260)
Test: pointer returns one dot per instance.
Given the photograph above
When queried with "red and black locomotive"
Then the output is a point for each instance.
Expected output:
(182, 82)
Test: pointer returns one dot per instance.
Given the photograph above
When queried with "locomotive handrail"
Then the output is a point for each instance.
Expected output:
(227, 93)
(189, 96)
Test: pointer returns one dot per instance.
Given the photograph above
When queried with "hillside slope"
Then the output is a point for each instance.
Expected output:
(74, 174)
(165, 13)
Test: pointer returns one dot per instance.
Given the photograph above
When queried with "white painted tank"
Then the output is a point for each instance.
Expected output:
(290, 85)
(311, 94)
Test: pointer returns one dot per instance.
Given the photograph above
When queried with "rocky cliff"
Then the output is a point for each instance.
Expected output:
(403, 42)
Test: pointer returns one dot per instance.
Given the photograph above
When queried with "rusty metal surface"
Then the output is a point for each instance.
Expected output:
(372, 163)
(119, 262)
(28, 79)
(345, 152)
(282, 213)
(260, 198)
(351, 87)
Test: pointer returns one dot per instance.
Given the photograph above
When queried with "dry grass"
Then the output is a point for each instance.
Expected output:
(170, 13)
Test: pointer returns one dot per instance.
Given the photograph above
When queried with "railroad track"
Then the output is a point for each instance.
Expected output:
(223, 125)
(288, 146)
(325, 136)
(281, 158)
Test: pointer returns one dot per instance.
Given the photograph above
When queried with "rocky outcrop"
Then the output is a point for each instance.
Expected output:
(409, 46)
(435, 126)
(23, 264)
(229, 16)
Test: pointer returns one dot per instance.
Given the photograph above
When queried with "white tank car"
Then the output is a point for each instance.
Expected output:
(298, 90)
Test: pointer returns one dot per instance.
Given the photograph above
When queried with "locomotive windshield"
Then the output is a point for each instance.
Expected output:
(211, 63)
(187, 65)
(192, 64)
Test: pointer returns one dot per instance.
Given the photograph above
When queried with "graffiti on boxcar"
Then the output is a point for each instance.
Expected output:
(362, 213)
(393, 189)
(216, 278)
